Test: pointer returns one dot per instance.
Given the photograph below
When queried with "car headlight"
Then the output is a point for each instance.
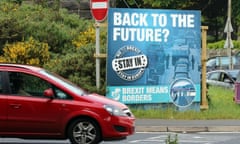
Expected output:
(113, 110)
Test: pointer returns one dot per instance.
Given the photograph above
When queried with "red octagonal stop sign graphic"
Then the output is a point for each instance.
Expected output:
(99, 9)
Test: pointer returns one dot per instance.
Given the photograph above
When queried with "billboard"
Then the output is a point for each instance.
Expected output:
(154, 56)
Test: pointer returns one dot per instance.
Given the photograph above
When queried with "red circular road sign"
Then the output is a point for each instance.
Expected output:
(99, 9)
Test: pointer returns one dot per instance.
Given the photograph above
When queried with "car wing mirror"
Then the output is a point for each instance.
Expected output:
(48, 93)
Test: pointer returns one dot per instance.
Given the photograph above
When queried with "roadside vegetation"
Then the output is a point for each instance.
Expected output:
(172, 140)
(52, 38)
(221, 106)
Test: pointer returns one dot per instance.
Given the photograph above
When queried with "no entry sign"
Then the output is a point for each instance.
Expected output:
(99, 9)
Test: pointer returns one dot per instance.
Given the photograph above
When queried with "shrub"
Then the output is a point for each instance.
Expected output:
(79, 67)
(220, 45)
(30, 52)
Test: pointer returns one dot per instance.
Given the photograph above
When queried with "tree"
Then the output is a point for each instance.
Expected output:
(236, 17)
(58, 31)
(56, 27)
(10, 28)
(78, 65)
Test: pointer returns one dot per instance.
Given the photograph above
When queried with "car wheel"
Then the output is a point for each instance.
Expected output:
(84, 131)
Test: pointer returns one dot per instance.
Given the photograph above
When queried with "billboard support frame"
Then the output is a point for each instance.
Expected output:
(204, 102)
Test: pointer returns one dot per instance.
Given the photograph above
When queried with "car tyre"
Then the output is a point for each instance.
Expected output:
(84, 131)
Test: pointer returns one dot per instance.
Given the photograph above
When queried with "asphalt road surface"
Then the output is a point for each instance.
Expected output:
(156, 131)
(152, 138)
(182, 138)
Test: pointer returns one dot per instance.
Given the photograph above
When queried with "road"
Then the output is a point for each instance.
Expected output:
(156, 131)
(153, 138)
(182, 138)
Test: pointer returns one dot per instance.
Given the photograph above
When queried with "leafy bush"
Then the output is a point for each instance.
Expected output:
(11, 29)
(79, 67)
(89, 36)
(30, 52)
(70, 41)
(220, 45)
(56, 27)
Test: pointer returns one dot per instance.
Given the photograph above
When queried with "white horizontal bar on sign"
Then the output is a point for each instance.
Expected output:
(99, 5)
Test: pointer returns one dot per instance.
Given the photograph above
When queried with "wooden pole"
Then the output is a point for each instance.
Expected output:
(204, 102)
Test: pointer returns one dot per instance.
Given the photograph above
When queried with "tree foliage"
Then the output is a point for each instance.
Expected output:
(89, 36)
(30, 52)
(56, 27)
(10, 28)
(79, 67)
(220, 45)
(53, 38)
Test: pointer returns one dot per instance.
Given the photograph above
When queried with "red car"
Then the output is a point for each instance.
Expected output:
(35, 103)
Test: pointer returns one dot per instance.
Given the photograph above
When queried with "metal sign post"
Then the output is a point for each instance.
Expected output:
(97, 58)
(228, 29)
(99, 9)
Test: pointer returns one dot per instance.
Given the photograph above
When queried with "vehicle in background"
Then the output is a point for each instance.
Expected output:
(36, 103)
(222, 78)
(222, 62)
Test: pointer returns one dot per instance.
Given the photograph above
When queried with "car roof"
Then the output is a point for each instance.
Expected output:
(232, 72)
(223, 59)
(22, 66)
(224, 70)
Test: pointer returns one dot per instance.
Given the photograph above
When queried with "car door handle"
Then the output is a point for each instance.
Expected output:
(16, 106)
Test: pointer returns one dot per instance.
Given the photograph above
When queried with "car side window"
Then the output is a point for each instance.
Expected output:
(214, 76)
(27, 85)
(222, 77)
(59, 94)
(226, 78)
(1, 83)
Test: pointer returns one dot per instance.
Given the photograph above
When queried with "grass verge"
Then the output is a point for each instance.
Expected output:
(221, 106)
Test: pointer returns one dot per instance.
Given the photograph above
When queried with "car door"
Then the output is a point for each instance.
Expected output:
(32, 113)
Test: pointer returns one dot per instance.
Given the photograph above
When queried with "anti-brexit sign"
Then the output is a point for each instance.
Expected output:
(154, 56)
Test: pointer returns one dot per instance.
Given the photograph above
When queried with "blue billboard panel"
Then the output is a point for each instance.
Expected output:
(154, 56)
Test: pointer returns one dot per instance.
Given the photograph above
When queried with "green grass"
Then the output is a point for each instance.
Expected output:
(221, 106)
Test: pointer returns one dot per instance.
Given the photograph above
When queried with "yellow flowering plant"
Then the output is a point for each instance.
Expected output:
(30, 52)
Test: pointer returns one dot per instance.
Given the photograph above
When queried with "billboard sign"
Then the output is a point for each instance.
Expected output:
(154, 56)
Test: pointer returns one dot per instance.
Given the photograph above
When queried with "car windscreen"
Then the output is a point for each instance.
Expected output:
(211, 62)
(233, 74)
(225, 60)
(69, 85)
